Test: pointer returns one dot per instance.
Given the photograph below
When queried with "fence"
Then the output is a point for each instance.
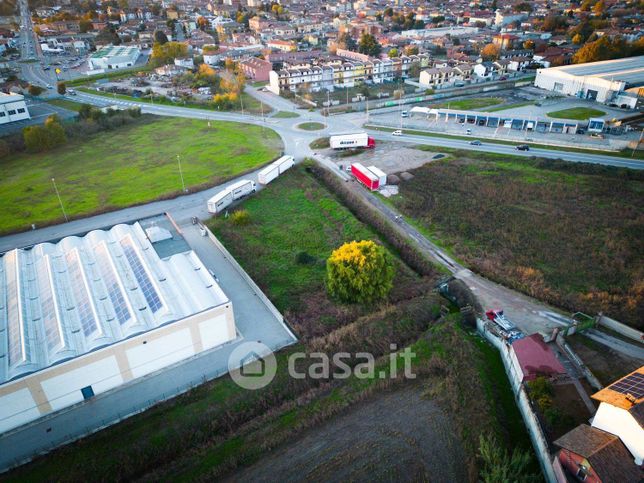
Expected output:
(258, 291)
(561, 342)
(539, 441)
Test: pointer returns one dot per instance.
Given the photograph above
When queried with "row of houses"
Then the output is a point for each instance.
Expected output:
(344, 73)
(443, 74)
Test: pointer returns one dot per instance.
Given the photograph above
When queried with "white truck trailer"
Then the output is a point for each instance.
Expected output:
(352, 140)
(234, 192)
(273, 170)
(382, 177)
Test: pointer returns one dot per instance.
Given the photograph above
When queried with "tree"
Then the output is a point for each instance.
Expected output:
(604, 48)
(369, 45)
(499, 466)
(414, 70)
(45, 137)
(35, 90)
(108, 35)
(166, 53)
(528, 45)
(554, 22)
(160, 37)
(578, 39)
(411, 50)
(393, 53)
(490, 52)
(202, 23)
(346, 42)
(62, 88)
(523, 7)
(359, 271)
(599, 8)
(85, 26)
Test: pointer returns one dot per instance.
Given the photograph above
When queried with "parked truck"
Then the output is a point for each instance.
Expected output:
(352, 140)
(276, 168)
(234, 192)
(365, 176)
(382, 176)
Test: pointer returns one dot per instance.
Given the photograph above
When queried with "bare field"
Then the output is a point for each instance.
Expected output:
(397, 436)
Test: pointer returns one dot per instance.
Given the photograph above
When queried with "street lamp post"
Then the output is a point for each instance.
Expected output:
(62, 208)
(181, 173)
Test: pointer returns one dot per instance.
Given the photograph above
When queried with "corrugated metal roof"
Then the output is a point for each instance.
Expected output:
(61, 300)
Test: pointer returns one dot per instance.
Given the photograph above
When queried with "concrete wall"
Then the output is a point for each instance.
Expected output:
(57, 387)
(622, 329)
(9, 110)
(539, 441)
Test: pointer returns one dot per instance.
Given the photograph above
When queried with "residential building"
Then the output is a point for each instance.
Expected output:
(256, 69)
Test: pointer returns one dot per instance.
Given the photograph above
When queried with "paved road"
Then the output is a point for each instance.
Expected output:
(489, 147)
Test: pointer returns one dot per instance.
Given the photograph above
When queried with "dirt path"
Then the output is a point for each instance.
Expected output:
(398, 436)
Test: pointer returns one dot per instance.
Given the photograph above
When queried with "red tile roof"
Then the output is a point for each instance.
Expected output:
(536, 358)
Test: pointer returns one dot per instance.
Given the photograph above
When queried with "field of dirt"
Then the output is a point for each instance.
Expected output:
(399, 436)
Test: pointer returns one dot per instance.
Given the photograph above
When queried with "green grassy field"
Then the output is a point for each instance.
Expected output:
(310, 126)
(285, 115)
(565, 233)
(469, 104)
(577, 113)
(127, 166)
(65, 104)
(250, 103)
(218, 427)
(302, 221)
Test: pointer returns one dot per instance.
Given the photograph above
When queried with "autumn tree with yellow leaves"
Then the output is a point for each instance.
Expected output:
(359, 271)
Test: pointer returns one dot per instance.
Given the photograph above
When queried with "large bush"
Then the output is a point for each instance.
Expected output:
(359, 271)
(45, 137)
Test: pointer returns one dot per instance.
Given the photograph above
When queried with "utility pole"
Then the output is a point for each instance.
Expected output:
(62, 208)
(328, 104)
(181, 173)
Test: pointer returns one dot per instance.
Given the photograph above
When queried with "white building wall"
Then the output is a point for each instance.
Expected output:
(30, 397)
(18, 408)
(621, 423)
(579, 86)
(13, 108)
(159, 353)
(64, 390)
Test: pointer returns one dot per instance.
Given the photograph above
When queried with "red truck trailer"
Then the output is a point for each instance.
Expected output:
(365, 176)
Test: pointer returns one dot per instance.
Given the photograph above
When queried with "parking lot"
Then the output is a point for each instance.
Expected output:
(534, 111)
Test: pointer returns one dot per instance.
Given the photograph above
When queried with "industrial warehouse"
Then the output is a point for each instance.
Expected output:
(88, 314)
(615, 82)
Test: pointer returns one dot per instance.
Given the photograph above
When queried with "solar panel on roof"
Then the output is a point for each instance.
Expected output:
(48, 310)
(113, 288)
(632, 384)
(15, 335)
(149, 292)
(81, 296)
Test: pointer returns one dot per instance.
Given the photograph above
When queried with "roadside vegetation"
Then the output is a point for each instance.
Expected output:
(311, 126)
(219, 427)
(285, 115)
(569, 234)
(97, 171)
(474, 103)
(577, 113)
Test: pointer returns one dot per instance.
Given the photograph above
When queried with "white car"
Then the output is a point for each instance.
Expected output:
(397, 132)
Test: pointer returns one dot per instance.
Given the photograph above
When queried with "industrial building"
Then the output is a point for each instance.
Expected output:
(616, 82)
(113, 57)
(12, 108)
(88, 314)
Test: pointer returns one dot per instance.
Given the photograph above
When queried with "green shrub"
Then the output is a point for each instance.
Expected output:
(304, 258)
(240, 217)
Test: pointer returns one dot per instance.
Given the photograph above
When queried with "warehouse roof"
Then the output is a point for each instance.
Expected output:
(629, 70)
(62, 300)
